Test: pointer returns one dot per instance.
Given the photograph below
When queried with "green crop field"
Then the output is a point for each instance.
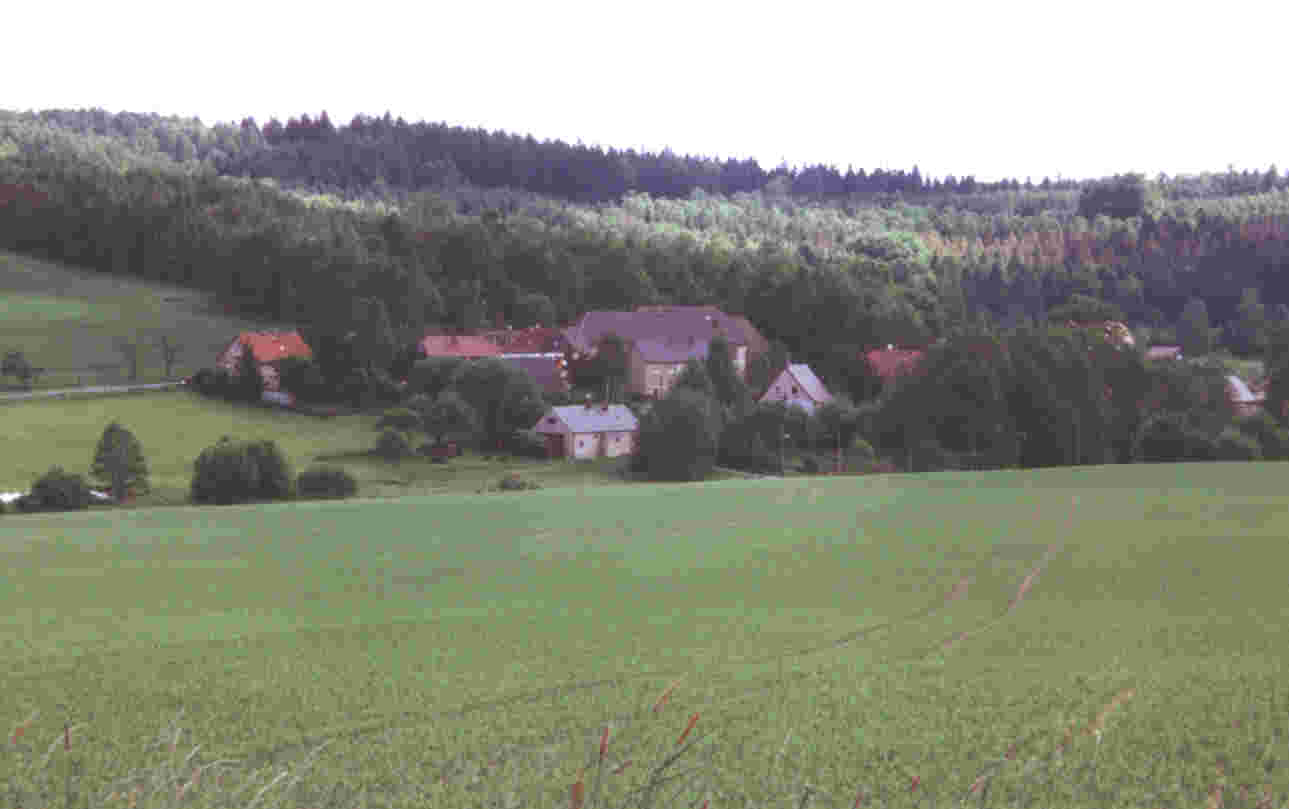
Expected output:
(69, 320)
(897, 638)
(174, 427)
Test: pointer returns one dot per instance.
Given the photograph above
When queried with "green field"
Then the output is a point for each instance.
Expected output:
(174, 427)
(371, 648)
(68, 320)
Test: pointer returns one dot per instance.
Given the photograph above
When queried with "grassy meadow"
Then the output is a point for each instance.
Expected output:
(1095, 636)
(175, 426)
(69, 320)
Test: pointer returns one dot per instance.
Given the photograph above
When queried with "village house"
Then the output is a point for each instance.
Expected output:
(1243, 399)
(534, 340)
(797, 385)
(1115, 332)
(589, 431)
(455, 345)
(1164, 353)
(268, 349)
(674, 325)
(892, 362)
(654, 364)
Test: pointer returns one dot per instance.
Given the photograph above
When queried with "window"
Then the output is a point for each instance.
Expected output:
(794, 390)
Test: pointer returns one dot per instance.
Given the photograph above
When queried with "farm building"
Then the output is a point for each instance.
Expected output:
(454, 345)
(654, 364)
(268, 348)
(798, 385)
(670, 324)
(589, 431)
(1164, 353)
(891, 362)
(1244, 400)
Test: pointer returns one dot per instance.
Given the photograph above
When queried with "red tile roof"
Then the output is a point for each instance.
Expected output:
(452, 345)
(892, 362)
(272, 346)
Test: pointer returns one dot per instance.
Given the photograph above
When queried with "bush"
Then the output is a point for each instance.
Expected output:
(204, 382)
(513, 482)
(1169, 437)
(1233, 445)
(1271, 437)
(393, 446)
(57, 490)
(677, 438)
(400, 418)
(527, 444)
(861, 448)
(232, 472)
(325, 481)
(384, 388)
(810, 466)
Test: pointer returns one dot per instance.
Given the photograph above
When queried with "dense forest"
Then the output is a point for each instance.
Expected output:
(435, 225)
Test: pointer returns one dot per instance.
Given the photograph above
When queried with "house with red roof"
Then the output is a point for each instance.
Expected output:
(534, 340)
(457, 345)
(268, 349)
(797, 385)
(892, 362)
(589, 431)
(1164, 353)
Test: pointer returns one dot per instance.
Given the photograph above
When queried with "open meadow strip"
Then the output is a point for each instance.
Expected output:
(891, 725)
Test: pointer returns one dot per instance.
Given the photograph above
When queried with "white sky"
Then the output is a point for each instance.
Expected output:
(996, 89)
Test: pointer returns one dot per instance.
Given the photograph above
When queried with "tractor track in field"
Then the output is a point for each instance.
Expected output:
(459, 764)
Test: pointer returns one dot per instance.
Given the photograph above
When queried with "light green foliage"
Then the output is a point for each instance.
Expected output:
(814, 650)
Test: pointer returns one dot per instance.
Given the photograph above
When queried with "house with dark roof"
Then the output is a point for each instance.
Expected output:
(589, 431)
(798, 386)
(547, 369)
(654, 364)
(674, 324)
(268, 349)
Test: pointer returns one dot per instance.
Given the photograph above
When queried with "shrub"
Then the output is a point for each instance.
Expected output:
(326, 481)
(810, 466)
(384, 388)
(1169, 437)
(1273, 438)
(204, 382)
(393, 446)
(400, 418)
(527, 444)
(302, 378)
(57, 490)
(513, 482)
(861, 448)
(274, 470)
(677, 438)
(231, 472)
(1233, 445)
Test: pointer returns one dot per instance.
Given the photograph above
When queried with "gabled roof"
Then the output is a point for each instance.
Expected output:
(535, 339)
(670, 351)
(544, 369)
(1163, 352)
(891, 362)
(808, 382)
(655, 322)
(598, 418)
(272, 346)
(452, 345)
(1240, 393)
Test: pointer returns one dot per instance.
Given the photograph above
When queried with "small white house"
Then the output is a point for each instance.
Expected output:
(798, 385)
(589, 431)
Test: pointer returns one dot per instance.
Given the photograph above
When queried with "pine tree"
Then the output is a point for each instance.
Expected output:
(119, 462)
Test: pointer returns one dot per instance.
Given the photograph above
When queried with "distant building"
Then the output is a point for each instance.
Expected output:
(1164, 353)
(589, 431)
(268, 349)
(798, 385)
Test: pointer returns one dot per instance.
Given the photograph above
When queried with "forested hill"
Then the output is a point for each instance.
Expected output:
(827, 272)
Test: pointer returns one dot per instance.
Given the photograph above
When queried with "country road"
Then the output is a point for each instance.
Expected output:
(89, 390)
